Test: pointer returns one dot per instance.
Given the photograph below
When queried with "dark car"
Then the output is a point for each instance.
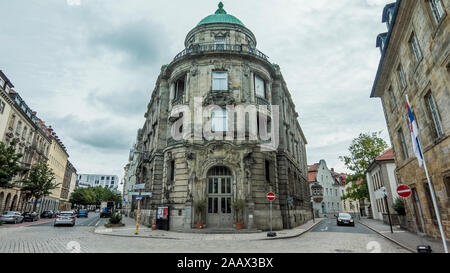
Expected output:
(31, 216)
(82, 213)
(47, 214)
(345, 219)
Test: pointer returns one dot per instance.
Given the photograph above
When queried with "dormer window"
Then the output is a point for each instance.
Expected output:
(219, 80)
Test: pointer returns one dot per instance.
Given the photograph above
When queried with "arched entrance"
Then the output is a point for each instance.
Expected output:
(13, 203)
(7, 202)
(219, 197)
(2, 197)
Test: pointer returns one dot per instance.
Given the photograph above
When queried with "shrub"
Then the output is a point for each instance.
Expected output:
(399, 206)
(115, 218)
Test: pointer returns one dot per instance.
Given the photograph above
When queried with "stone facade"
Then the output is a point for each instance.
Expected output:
(181, 172)
(416, 62)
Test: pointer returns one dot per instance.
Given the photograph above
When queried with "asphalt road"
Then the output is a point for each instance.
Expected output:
(91, 221)
(329, 225)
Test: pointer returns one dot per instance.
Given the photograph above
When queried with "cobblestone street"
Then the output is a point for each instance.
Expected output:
(324, 238)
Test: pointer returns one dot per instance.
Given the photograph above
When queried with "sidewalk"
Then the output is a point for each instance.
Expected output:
(26, 224)
(403, 237)
(145, 232)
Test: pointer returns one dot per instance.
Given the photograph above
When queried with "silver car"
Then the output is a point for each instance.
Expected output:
(65, 218)
(12, 217)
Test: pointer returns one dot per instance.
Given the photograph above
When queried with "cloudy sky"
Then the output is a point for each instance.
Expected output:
(88, 66)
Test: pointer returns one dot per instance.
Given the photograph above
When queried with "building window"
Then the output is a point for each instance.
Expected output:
(437, 9)
(403, 144)
(433, 111)
(414, 44)
(19, 127)
(220, 81)
(401, 76)
(179, 88)
(24, 134)
(267, 170)
(392, 100)
(2, 107)
(172, 170)
(429, 201)
(219, 43)
(11, 122)
(219, 120)
(260, 87)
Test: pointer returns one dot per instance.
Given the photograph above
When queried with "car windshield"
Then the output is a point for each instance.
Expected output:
(345, 216)
(82, 210)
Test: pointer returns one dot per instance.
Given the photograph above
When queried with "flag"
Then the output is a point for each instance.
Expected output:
(414, 130)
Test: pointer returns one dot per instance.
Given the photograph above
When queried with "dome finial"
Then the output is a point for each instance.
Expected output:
(221, 10)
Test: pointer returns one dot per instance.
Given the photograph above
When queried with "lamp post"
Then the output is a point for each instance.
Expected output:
(312, 208)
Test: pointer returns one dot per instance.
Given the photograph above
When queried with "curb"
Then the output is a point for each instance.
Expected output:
(172, 238)
(291, 236)
(387, 237)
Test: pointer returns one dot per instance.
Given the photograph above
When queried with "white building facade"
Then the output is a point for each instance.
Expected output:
(381, 173)
(330, 205)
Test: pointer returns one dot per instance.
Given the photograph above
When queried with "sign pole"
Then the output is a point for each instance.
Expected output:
(138, 216)
(270, 216)
(271, 197)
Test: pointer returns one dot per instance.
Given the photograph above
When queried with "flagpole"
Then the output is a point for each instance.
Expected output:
(433, 197)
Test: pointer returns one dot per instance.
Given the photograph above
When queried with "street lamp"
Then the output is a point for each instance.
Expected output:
(383, 189)
(312, 208)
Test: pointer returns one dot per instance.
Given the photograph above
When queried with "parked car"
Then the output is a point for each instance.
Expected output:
(31, 216)
(345, 219)
(82, 213)
(47, 214)
(65, 218)
(11, 217)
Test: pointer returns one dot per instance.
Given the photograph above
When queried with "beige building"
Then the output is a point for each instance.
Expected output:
(185, 157)
(416, 62)
(32, 141)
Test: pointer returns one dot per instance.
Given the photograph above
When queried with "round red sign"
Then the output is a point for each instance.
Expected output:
(271, 196)
(404, 191)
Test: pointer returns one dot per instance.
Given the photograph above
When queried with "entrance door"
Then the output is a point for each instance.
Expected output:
(220, 195)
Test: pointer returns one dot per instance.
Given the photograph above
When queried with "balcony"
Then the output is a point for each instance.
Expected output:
(178, 101)
(203, 48)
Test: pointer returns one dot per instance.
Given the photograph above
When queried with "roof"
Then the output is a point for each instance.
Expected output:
(312, 172)
(220, 16)
(396, 7)
(388, 155)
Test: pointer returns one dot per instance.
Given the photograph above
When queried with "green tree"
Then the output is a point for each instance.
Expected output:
(363, 151)
(9, 164)
(40, 182)
(83, 196)
(94, 196)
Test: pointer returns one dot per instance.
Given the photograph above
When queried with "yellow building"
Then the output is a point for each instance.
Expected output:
(57, 161)
(349, 205)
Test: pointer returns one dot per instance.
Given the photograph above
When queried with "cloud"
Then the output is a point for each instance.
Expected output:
(141, 42)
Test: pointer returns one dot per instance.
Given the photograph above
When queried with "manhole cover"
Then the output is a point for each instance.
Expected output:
(343, 250)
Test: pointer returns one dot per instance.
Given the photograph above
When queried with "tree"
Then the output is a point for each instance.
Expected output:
(94, 196)
(363, 151)
(9, 164)
(40, 182)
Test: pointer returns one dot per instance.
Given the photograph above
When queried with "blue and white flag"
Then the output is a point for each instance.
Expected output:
(414, 134)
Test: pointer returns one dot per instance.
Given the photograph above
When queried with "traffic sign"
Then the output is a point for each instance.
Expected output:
(271, 196)
(139, 198)
(142, 193)
(139, 186)
(404, 191)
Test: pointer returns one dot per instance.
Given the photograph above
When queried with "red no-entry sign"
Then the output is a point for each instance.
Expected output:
(404, 191)
(271, 196)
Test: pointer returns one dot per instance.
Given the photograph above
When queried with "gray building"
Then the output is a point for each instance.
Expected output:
(196, 155)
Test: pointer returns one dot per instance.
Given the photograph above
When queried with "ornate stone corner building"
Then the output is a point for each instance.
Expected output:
(221, 65)
(415, 61)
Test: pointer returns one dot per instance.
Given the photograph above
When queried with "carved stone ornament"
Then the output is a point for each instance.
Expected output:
(218, 98)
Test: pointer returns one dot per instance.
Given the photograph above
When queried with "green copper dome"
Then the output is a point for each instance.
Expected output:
(220, 16)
